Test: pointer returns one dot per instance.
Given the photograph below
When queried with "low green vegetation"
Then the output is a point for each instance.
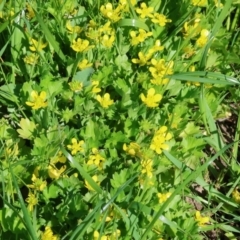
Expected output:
(119, 120)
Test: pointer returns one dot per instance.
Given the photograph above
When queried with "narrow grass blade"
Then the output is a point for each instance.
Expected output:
(49, 36)
(174, 160)
(26, 216)
(7, 93)
(127, 183)
(218, 23)
(84, 174)
(205, 110)
(4, 25)
(236, 140)
(133, 23)
(81, 229)
(205, 77)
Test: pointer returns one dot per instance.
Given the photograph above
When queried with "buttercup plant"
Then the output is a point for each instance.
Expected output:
(119, 119)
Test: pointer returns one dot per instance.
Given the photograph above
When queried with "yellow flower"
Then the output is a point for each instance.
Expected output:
(11, 148)
(202, 40)
(146, 182)
(58, 158)
(93, 34)
(218, 4)
(188, 51)
(31, 59)
(175, 119)
(160, 68)
(108, 12)
(95, 179)
(163, 197)
(143, 59)
(158, 80)
(132, 149)
(160, 137)
(160, 19)
(139, 37)
(38, 101)
(38, 184)
(96, 159)
(194, 29)
(73, 29)
(116, 234)
(108, 40)
(7, 14)
(124, 5)
(29, 13)
(48, 234)
(81, 45)
(76, 146)
(32, 201)
(145, 11)
(84, 64)
(236, 195)
(152, 99)
(36, 46)
(96, 236)
(106, 28)
(147, 167)
(95, 88)
(54, 172)
(133, 2)
(157, 47)
(104, 101)
(92, 23)
(76, 86)
(199, 3)
(201, 220)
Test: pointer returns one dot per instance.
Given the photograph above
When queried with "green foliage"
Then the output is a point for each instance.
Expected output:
(111, 119)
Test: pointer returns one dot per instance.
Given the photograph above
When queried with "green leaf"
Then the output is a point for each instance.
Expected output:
(118, 179)
(89, 132)
(6, 132)
(83, 76)
(133, 23)
(51, 192)
(116, 137)
(190, 129)
(190, 143)
(27, 128)
(10, 221)
(122, 62)
(7, 92)
(41, 142)
(121, 84)
(52, 87)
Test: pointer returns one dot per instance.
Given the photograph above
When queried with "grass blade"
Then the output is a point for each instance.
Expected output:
(84, 174)
(205, 77)
(26, 216)
(50, 38)
(218, 23)
(133, 23)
